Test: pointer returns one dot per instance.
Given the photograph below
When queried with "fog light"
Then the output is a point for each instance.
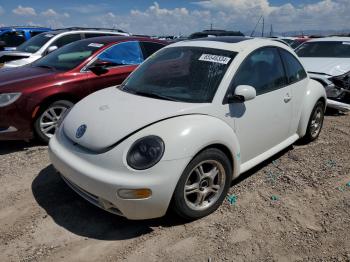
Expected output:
(135, 193)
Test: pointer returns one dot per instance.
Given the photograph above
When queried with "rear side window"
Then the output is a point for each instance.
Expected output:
(126, 53)
(149, 48)
(67, 39)
(263, 70)
(295, 71)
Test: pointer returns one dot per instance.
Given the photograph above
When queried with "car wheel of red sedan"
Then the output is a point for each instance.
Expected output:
(46, 123)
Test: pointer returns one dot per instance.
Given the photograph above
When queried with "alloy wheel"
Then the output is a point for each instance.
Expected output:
(316, 122)
(49, 119)
(204, 185)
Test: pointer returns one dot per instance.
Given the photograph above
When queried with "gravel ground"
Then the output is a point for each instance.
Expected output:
(293, 207)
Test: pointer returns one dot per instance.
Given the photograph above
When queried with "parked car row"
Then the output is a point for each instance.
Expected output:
(45, 43)
(34, 97)
(172, 131)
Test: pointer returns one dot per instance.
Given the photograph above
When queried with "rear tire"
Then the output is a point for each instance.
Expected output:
(203, 185)
(315, 123)
(45, 124)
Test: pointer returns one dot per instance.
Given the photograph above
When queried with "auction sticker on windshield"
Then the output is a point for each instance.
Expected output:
(96, 45)
(215, 59)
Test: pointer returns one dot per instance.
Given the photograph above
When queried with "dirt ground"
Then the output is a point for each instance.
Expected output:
(294, 207)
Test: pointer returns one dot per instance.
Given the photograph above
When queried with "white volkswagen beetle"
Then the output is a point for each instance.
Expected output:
(188, 121)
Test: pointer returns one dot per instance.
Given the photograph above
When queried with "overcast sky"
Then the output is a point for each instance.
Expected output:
(174, 17)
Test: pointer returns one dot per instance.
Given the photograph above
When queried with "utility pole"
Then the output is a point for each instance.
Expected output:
(211, 26)
(271, 31)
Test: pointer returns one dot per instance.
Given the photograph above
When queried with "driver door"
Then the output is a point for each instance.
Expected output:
(120, 60)
(264, 122)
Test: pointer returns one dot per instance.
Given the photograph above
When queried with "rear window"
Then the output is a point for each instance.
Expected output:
(340, 49)
(35, 43)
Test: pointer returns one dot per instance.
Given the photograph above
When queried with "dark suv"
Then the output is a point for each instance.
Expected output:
(11, 37)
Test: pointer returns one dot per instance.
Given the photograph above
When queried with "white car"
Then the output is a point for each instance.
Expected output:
(44, 43)
(328, 61)
(189, 120)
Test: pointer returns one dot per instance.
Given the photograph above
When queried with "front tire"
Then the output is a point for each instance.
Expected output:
(203, 185)
(45, 124)
(315, 123)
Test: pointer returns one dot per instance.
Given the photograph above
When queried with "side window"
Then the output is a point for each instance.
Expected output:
(91, 35)
(149, 48)
(295, 71)
(67, 39)
(263, 69)
(126, 53)
(13, 38)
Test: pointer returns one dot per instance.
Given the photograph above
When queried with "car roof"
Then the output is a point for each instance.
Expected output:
(331, 39)
(86, 30)
(24, 28)
(231, 43)
(115, 39)
(223, 39)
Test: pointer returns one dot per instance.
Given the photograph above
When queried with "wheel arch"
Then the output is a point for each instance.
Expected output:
(315, 92)
(186, 136)
(223, 148)
(51, 99)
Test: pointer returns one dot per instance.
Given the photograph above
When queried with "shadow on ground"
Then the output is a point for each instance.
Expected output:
(260, 166)
(78, 216)
(7, 147)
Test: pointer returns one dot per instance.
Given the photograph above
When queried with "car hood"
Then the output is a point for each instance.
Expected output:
(16, 79)
(329, 66)
(111, 114)
(15, 53)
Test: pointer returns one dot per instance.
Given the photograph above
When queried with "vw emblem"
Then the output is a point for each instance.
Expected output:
(80, 131)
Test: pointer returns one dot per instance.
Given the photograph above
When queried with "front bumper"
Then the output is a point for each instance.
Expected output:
(338, 105)
(337, 97)
(14, 123)
(86, 173)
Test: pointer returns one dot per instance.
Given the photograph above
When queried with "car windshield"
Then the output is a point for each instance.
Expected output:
(339, 49)
(69, 56)
(35, 43)
(185, 74)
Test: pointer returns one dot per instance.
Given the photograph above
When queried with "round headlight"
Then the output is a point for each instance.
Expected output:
(145, 152)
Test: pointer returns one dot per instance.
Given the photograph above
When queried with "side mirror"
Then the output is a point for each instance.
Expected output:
(51, 49)
(99, 68)
(242, 93)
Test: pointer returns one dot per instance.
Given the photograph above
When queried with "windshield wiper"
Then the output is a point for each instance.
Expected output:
(151, 95)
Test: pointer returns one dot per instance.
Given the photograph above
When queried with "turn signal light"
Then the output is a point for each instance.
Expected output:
(141, 193)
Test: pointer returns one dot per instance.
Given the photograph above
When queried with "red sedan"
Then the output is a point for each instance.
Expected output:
(34, 97)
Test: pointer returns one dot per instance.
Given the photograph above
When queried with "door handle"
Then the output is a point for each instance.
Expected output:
(287, 98)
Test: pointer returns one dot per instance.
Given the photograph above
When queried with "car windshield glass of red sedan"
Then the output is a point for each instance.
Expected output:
(69, 56)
